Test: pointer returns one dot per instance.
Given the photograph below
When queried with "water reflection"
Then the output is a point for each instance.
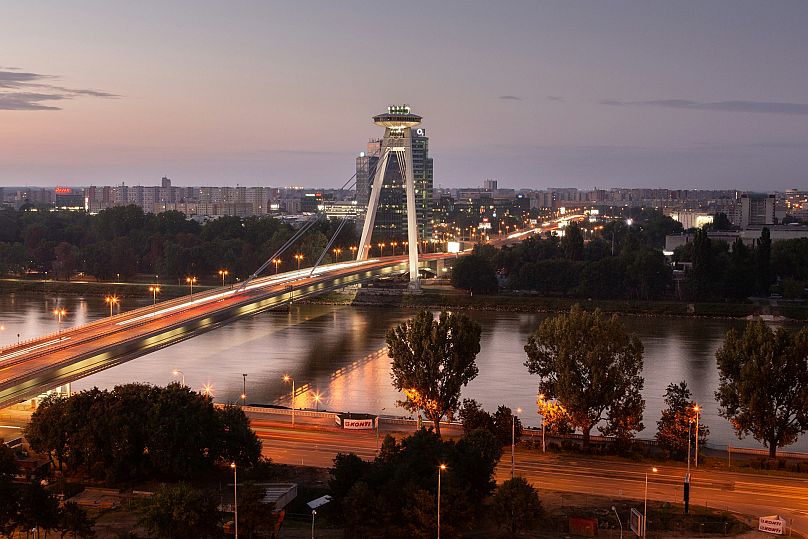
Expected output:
(329, 350)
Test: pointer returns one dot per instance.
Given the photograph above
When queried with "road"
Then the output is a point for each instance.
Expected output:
(747, 493)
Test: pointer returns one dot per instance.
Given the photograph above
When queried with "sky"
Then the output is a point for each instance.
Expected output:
(535, 94)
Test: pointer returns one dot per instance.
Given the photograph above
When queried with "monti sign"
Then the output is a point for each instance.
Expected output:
(773, 524)
(357, 424)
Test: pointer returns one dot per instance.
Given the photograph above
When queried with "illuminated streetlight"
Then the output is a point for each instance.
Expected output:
(513, 439)
(287, 378)
(353, 249)
(207, 390)
(299, 257)
(317, 399)
(154, 289)
(223, 273)
(381, 249)
(177, 372)
(244, 390)
(277, 262)
(697, 410)
(394, 244)
(235, 496)
(191, 282)
(112, 300)
(441, 468)
(59, 313)
(541, 403)
(645, 503)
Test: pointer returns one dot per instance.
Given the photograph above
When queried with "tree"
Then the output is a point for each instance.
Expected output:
(181, 512)
(517, 505)
(432, 360)
(763, 384)
(474, 417)
(573, 242)
(678, 421)
(474, 272)
(506, 427)
(593, 367)
(237, 441)
(73, 521)
(763, 254)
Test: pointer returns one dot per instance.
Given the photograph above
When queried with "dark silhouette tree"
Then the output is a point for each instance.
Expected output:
(763, 385)
(432, 360)
(678, 422)
(516, 505)
(475, 273)
(763, 254)
(593, 367)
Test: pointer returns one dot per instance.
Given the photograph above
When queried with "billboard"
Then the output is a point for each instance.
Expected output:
(773, 524)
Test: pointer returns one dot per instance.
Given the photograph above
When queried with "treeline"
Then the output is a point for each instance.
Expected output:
(720, 270)
(617, 261)
(140, 432)
(626, 262)
(123, 241)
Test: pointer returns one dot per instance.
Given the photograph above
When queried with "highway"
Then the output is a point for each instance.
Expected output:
(755, 494)
(33, 367)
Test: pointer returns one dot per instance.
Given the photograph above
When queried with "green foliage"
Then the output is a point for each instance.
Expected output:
(516, 505)
(474, 272)
(474, 417)
(181, 512)
(593, 367)
(500, 424)
(138, 431)
(396, 495)
(678, 422)
(432, 360)
(763, 386)
(125, 241)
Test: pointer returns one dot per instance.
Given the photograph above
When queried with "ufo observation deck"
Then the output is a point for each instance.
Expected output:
(397, 117)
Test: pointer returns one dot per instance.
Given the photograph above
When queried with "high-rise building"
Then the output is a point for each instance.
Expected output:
(490, 185)
(756, 209)
(391, 216)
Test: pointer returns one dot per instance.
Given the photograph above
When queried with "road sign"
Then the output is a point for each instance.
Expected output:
(636, 522)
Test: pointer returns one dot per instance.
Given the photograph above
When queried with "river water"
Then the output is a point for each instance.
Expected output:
(329, 350)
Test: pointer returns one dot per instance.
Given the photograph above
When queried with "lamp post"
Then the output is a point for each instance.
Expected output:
(337, 252)
(697, 410)
(112, 300)
(235, 496)
(59, 313)
(381, 249)
(353, 249)
(394, 244)
(618, 521)
(299, 257)
(191, 281)
(277, 262)
(645, 503)
(287, 378)
(223, 273)
(313, 514)
(177, 372)
(543, 445)
(441, 468)
(244, 389)
(317, 399)
(154, 289)
(513, 440)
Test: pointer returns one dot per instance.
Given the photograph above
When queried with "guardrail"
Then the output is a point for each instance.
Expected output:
(765, 453)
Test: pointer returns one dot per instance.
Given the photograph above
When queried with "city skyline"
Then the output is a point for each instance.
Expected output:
(618, 94)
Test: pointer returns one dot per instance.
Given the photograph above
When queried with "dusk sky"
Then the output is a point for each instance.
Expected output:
(690, 94)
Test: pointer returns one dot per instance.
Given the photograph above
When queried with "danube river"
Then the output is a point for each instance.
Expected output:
(328, 350)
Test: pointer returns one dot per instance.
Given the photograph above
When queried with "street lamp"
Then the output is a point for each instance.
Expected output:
(697, 410)
(59, 313)
(317, 399)
(177, 372)
(313, 514)
(287, 378)
(207, 390)
(299, 257)
(618, 521)
(441, 468)
(112, 300)
(223, 273)
(353, 249)
(154, 289)
(394, 244)
(277, 262)
(244, 389)
(381, 249)
(513, 439)
(541, 402)
(191, 282)
(337, 252)
(645, 503)
(235, 496)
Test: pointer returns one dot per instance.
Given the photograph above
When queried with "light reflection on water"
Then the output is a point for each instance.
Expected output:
(313, 342)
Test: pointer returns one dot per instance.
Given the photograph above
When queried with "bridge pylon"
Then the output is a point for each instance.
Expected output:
(396, 147)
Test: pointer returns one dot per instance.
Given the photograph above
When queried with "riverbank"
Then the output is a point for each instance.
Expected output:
(443, 297)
